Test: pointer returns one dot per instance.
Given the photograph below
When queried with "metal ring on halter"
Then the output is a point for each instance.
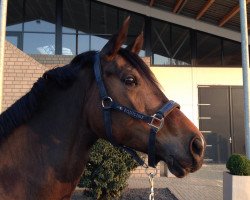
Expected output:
(107, 102)
(156, 122)
(150, 173)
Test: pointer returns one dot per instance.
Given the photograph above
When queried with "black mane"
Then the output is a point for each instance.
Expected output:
(25, 107)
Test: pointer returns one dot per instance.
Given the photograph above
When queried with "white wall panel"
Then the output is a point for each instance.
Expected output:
(181, 84)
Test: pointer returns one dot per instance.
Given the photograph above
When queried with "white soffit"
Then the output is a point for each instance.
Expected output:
(174, 18)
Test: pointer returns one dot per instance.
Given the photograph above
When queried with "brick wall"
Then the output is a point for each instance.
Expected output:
(51, 61)
(22, 70)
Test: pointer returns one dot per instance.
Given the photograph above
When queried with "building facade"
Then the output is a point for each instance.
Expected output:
(197, 64)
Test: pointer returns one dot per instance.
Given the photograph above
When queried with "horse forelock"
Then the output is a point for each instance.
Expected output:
(140, 66)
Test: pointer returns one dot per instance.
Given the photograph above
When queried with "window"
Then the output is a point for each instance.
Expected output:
(129, 41)
(160, 43)
(136, 22)
(40, 16)
(39, 43)
(15, 15)
(76, 26)
(170, 44)
(208, 50)
(98, 42)
(181, 47)
(135, 28)
(231, 53)
(103, 19)
(83, 43)
(39, 27)
(76, 16)
(12, 39)
(15, 38)
(14, 26)
(88, 25)
(69, 44)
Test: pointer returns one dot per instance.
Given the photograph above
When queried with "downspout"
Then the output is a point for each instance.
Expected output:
(3, 15)
(245, 70)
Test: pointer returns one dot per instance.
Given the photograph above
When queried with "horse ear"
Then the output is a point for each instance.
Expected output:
(114, 44)
(136, 46)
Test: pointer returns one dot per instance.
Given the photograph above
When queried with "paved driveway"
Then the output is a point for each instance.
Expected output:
(206, 184)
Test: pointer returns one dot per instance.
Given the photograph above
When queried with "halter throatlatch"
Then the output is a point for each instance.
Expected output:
(156, 121)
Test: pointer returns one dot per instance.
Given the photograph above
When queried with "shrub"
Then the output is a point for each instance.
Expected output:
(238, 165)
(107, 171)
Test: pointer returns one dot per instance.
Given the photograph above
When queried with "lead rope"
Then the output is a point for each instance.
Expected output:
(151, 176)
(151, 181)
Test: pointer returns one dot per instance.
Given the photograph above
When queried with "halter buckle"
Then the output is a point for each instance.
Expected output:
(107, 102)
(156, 122)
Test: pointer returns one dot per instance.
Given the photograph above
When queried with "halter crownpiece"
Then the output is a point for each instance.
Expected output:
(155, 121)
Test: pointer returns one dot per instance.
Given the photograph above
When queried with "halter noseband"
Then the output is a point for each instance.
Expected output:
(155, 121)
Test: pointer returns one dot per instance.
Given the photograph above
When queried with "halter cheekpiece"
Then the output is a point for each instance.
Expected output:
(155, 121)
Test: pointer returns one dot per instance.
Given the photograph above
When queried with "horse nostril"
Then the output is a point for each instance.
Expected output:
(197, 146)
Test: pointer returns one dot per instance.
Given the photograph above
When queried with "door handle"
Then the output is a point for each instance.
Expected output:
(230, 140)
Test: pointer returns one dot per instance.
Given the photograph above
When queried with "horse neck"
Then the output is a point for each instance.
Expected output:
(44, 158)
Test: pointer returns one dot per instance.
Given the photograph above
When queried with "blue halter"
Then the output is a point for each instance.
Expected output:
(155, 121)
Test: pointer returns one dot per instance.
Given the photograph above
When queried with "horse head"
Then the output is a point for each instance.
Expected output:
(129, 82)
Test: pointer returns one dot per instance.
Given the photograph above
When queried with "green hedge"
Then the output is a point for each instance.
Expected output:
(238, 165)
(107, 171)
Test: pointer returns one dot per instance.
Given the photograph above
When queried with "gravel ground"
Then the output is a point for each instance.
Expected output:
(134, 194)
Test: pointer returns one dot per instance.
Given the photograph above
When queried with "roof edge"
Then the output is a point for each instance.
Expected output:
(174, 18)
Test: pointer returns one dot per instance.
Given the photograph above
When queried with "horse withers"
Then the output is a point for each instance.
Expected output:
(46, 135)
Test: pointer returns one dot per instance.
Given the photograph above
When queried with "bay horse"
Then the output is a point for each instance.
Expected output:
(46, 136)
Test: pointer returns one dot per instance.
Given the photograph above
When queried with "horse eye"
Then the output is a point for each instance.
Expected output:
(130, 81)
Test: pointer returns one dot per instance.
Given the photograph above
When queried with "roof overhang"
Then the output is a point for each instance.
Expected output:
(172, 17)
